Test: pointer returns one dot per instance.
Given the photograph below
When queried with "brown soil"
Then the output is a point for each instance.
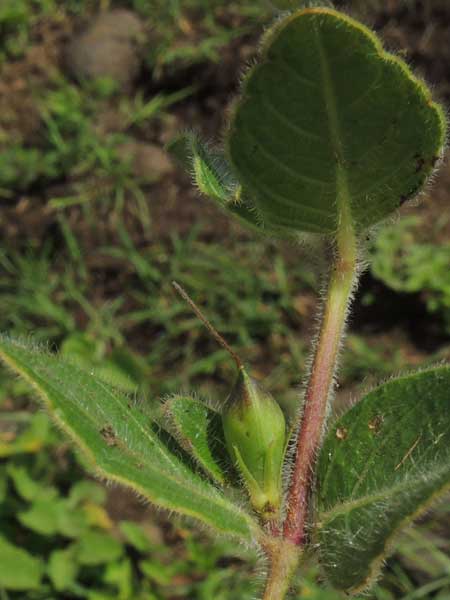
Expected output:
(22, 80)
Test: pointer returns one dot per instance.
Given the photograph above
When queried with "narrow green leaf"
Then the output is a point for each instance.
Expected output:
(329, 124)
(18, 569)
(199, 431)
(381, 465)
(213, 177)
(118, 440)
(211, 171)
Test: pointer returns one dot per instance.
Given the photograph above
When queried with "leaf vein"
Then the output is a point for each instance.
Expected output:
(299, 130)
(273, 158)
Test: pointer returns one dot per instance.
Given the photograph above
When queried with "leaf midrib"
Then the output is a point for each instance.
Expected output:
(133, 453)
(344, 216)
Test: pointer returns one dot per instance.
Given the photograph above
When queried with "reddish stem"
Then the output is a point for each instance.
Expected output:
(320, 386)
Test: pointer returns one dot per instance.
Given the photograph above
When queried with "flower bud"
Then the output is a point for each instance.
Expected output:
(255, 434)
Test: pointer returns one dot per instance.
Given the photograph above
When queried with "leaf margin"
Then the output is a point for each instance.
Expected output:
(88, 457)
(268, 38)
(376, 564)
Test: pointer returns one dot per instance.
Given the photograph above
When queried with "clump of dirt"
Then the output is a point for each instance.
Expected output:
(148, 162)
(111, 46)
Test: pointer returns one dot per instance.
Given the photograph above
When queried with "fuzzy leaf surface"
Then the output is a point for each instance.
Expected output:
(199, 431)
(329, 123)
(213, 177)
(118, 440)
(381, 465)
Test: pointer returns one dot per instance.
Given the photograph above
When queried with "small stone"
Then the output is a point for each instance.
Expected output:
(109, 48)
(148, 162)
(341, 433)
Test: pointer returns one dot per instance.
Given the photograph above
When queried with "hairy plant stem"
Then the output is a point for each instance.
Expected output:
(283, 559)
(321, 382)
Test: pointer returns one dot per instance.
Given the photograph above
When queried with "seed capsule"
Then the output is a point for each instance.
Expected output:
(255, 433)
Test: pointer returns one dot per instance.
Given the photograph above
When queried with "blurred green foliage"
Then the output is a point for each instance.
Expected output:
(16, 19)
(180, 44)
(255, 302)
(406, 264)
(58, 540)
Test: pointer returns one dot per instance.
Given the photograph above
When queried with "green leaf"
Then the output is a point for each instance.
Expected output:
(120, 575)
(28, 488)
(381, 466)
(199, 431)
(118, 440)
(19, 570)
(135, 536)
(41, 517)
(49, 517)
(62, 568)
(95, 548)
(71, 522)
(330, 124)
(3, 487)
(211, 171)
(213, 177)
(119, 369)
(101, 596)
(86, 491)
(159, 573)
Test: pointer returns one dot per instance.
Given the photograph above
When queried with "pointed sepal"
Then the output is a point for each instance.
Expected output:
(199, 431)
(213, 177)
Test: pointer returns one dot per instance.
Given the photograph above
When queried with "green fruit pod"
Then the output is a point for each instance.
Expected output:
(255, 434)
